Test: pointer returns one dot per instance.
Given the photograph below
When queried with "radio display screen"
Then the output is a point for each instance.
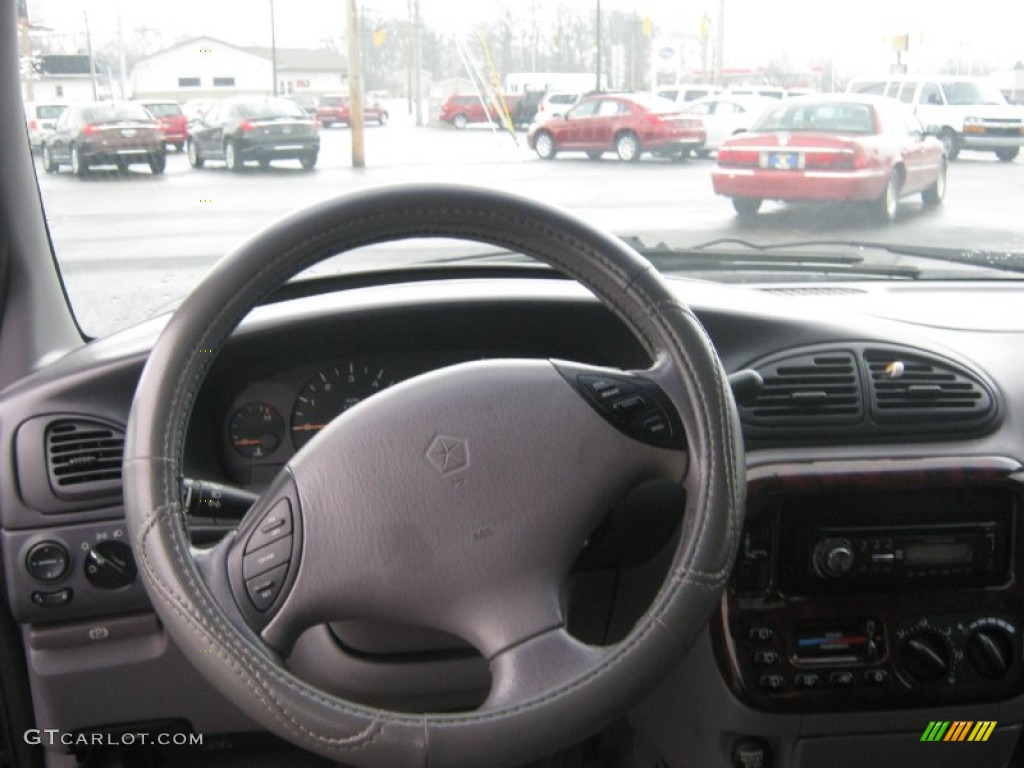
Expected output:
(951, 553)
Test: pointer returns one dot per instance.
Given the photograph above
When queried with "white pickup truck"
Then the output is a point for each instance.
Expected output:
(969, 113)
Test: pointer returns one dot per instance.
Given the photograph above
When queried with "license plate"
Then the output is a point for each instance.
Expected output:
(781, 161)
(288, 146)
(128, 132)
(132, 152)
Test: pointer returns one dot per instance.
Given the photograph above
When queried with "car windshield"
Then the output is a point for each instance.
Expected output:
(164, 110)
(116, 113)
(135, 229)
(50, 112)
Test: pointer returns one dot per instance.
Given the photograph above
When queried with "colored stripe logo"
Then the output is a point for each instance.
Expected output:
(958, 730)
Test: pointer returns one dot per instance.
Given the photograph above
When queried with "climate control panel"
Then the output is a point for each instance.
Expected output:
(956, 650)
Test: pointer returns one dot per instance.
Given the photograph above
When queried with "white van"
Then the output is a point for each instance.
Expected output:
(969, 113)
(685, 92)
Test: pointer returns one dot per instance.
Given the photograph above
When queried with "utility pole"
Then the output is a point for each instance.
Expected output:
(273, 46)
(720, 43)
(120, 56)
(408, 61)
(417, 61)
(28, 77)
(597, 71)
(92, 65)
(355, 88)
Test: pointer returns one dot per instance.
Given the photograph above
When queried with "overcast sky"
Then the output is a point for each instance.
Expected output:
(852, 32)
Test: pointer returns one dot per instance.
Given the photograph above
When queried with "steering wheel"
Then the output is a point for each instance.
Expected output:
(457, 500)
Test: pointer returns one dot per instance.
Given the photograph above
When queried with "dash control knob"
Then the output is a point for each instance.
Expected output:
(833, 558)
(925, 657)
(110, 565)
(990, 653)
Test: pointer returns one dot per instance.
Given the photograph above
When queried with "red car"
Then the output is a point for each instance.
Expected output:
(173, 121)
(337, 109)
(627, 124)
(461, 109)
(839, 148)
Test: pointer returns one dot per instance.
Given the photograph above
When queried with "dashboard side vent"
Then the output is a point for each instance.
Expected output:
(911, 387)
(807, 390)
(83, 458)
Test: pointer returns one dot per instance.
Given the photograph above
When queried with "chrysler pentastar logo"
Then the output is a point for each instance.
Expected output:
(448, 454)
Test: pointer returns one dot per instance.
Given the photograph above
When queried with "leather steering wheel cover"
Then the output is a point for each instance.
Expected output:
(234, 659)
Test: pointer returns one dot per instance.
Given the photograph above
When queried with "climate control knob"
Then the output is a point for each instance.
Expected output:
(990, 653)
(833, 557)
(925, 657)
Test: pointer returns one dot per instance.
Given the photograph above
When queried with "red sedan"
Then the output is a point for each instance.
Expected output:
(337, 109)
(839, 148)
(627, 124)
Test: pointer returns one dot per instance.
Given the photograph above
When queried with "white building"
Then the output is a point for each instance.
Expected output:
(207, 67)
(200, 68)
(63, 78)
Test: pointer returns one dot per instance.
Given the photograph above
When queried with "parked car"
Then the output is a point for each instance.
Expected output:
(554, 104)
(685, 92)
(459, 110)
(523, 108)
(104, 133)
(757, 91)
(336, 108)
(724, 115)
(628, 124)
(194, 108)
(848, 148)
(40, 117)
(971, 112)
(306, 102)
(173, 121)
(245, 128)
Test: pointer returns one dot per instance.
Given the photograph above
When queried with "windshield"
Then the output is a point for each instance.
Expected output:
(134, 228)
(164, 110)
(959, 92)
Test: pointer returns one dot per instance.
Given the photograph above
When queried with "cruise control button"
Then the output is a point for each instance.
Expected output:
(274, 524)
(264, 589)
(766, 658)
(52, 599)
(656, 426)
(761, 634)
(270, 556)
(628, 405)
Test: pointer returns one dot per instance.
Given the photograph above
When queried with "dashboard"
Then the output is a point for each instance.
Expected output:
(878, 586)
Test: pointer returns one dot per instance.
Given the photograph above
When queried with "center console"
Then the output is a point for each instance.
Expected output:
(861, 583)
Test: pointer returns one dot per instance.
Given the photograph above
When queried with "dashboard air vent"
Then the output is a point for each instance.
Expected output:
(83, 458)
(812, 389)
(906, 386)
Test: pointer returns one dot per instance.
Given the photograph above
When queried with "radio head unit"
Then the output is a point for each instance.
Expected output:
(894, 540)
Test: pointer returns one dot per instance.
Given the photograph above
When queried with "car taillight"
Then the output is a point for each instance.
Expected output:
(245, 126)
(738, 156)
(316, 126)
(33, 125)
(90, 129)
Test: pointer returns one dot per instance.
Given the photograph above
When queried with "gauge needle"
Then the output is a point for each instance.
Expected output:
(307, 427)
(248, 441)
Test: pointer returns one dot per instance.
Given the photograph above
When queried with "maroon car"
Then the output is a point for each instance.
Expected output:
(173, 121)
(338, 109)
(842, 148)
(628, 124)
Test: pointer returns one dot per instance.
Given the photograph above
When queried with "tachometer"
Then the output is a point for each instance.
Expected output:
(331, 392)
(256, 430)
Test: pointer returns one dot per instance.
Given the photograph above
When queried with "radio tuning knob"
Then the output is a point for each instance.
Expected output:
(990, 653)
(833, 557)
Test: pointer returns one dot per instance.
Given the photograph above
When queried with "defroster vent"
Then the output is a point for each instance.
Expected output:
(84, 458)
(807, 390)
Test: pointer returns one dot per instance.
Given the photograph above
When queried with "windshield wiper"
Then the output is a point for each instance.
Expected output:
(1006, 261)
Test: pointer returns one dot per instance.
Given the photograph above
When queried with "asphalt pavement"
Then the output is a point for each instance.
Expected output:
(129, 242)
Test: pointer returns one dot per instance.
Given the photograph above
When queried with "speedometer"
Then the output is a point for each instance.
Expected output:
(331, 392)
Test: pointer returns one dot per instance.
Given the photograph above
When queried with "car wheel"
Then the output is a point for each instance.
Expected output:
(1007, 154)
(157, 163)
(179, 146)
(933, 195)
(544, 146)
(950, 142)
(459, 121)
(888, 204)
(383, 119)
(79, 166)
(747, 206)
(327, 123)
(194, 158)
(48, 165)
(595, 154)
(627, 147)
(264, 164)
(231, 158)
(703, 154)
(308, 161)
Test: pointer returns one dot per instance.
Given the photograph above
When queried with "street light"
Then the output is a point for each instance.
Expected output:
(273, 46)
